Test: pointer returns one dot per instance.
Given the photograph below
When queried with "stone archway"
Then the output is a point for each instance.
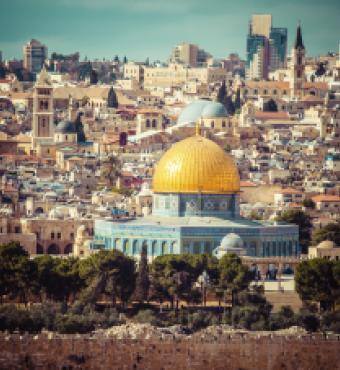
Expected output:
(53, 249)
(135, 248)
(68, 248)
(164, 248)
(126, 247)
(39, 211)
(40, 249)
(154, 248)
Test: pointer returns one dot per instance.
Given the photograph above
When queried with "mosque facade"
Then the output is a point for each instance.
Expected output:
(196, 196)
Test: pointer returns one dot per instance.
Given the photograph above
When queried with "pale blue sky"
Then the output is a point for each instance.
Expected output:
(150, 28)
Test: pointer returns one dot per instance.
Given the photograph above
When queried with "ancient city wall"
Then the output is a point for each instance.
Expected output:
(241, 352)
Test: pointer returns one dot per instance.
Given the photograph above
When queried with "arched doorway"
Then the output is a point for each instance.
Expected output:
(68, 249)
(154, 248)
(40, 249)
(117, 244)
(53, 249)
(197, 248)
(135, 247)
(39, 211)
(164, 248)
(126, 247)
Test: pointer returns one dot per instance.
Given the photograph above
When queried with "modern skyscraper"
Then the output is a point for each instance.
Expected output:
(35, 54)
(266, 47)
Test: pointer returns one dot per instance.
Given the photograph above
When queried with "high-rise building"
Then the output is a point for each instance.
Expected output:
(266, 47)
(35, 54)
(189, 54)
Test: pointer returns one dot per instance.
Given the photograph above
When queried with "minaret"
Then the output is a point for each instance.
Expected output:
(297, 65)
(42, 123)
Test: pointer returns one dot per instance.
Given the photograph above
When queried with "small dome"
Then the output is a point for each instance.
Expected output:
(326, 244)
(192, 112)
(231, 241)
(214, 109)
(65, 127)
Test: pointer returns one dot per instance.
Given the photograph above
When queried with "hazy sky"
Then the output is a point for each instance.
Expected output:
(150, 28)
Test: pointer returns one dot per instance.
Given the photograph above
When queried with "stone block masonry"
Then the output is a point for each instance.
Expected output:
(228, 352)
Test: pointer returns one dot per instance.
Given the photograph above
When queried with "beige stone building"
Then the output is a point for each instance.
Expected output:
(178, 74)
(326, 249)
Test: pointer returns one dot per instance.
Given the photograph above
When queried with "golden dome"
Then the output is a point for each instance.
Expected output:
(196, 165)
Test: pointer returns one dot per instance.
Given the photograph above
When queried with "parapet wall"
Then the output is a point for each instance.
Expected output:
(241, 352)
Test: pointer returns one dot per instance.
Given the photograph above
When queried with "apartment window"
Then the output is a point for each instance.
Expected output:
(52, 235)
(59, 235)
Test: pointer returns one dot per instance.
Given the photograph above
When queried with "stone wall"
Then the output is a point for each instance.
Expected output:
(241, 352)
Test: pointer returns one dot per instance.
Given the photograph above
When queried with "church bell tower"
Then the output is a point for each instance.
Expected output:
(42, 124)
(297, 65)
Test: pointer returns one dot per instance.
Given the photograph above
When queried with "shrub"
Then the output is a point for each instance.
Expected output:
(71, 324)
(146, 317)
(308, 320)
(201, 319)
(330, 321)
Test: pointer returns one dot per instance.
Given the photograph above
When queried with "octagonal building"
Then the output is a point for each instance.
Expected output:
(196, 194)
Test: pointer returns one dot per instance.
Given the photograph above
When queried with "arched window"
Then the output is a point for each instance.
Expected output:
(212, 124)
(164, 248)
(197, 248)
(126, 247)
(135, 247)
(154, 123)
(53, 249)
(154, 248)
(147, 123)
(223, 123)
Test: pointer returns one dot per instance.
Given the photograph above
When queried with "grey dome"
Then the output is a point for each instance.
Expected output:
(231, 241)
(201, 108)
(213, 110)
(65, 127)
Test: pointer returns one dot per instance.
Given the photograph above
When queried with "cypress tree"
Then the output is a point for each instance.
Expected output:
(112, 101)
(81, 138)
(221, 93)
(142, 281)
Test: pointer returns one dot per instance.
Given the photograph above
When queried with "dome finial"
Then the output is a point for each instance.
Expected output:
(198, 128)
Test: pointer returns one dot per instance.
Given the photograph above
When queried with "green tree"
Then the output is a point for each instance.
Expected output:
(93, 77)
(270, 106)
(109, 273)
(18, 274)
(301, 219)
(81, 138)
(141, 293)
(308, 203)
(237, 102)
(112, 101)
(172, 278)
(125, 60)
(222, 93)
(58, 278)
(253, 311)
(229, 105)
(110, 169)
(321, 70)
(317, 280)
(234, 276)
(329, 232)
